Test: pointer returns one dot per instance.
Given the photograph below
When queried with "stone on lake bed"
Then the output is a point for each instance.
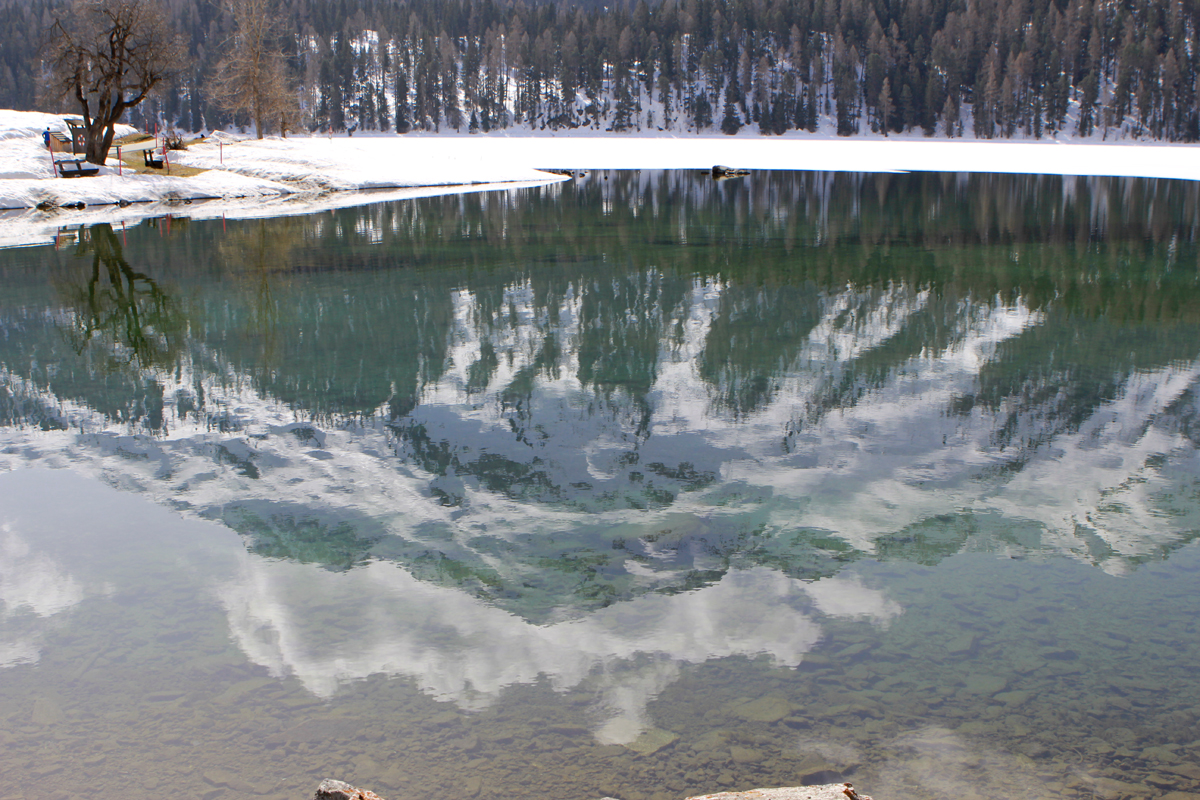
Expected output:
(467, 744)
(1111, 789)
(1162, 780)
(1028, 664)
(818, 770)
(853, 650)
(1016, 698)
(962, 644)
(1162, 754)
(46, 712)
(712, 740)
(1191, 771)
(986, 684)
(223, 778)
(764, 709)
(652, 741)
(744, 755)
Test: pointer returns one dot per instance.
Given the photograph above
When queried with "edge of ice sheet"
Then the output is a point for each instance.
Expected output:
(25, 227)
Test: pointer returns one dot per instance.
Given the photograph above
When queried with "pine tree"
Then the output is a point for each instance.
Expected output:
(702, 111)
(731, 123)
(887, 109)
(403, 121)
(1087, 105)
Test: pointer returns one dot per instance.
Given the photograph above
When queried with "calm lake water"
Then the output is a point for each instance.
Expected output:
(640, 485)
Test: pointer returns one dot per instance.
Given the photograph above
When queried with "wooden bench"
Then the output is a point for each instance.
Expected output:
(151, 161)
(76, 169)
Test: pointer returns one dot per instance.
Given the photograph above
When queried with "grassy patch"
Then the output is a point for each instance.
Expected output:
(136, 162)
(131, 139)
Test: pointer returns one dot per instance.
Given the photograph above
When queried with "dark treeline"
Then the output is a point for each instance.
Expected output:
(991, 68)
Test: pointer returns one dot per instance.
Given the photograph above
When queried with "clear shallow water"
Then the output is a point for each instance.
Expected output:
(641, 485)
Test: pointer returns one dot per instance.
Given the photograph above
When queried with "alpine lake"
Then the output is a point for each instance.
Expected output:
(639, 485)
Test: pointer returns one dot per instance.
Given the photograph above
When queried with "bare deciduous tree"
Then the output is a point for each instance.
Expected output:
(109, 55)
(253, 77)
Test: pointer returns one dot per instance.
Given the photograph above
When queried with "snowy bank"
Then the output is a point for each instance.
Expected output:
(321, 164)
(807, 152)
(314, 165)
(377, 160)
(303, 174)
(239, 169)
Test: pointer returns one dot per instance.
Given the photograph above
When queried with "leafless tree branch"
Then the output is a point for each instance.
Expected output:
(109, 55)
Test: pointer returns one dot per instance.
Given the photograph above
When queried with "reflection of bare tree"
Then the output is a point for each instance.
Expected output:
(256, 254)
(126, 310)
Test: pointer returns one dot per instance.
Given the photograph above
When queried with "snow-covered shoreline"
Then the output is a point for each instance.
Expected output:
(309, 173)
(270, 168)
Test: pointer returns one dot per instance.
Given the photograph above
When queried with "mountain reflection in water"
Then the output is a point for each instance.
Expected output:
(709, 375)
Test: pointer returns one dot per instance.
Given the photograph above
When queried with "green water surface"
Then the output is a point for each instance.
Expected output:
(640, 485)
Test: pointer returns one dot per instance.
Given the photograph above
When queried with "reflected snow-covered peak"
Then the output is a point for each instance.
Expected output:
(639, 420)
(860, 433)
(461, 649)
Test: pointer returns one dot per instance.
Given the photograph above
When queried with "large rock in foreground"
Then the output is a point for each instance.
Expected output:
(338, 790)
(830, 791)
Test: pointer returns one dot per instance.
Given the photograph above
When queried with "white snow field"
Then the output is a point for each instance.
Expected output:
(302, 174)
(271, 167)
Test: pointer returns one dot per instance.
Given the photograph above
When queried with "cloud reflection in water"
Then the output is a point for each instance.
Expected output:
(461, 649)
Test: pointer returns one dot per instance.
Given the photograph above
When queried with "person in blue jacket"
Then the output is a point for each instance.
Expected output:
(46, 137)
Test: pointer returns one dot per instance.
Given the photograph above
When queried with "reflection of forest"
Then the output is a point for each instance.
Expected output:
(616, 342)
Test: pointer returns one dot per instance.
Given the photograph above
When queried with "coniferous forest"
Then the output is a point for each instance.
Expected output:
(949, 68)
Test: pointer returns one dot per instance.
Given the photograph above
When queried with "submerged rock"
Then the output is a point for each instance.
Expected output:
(764, 709)
(652, 741)
(46, 712)
(744, 755)
(986, 684)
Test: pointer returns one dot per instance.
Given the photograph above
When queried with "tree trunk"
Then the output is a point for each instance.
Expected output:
(99, 139)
